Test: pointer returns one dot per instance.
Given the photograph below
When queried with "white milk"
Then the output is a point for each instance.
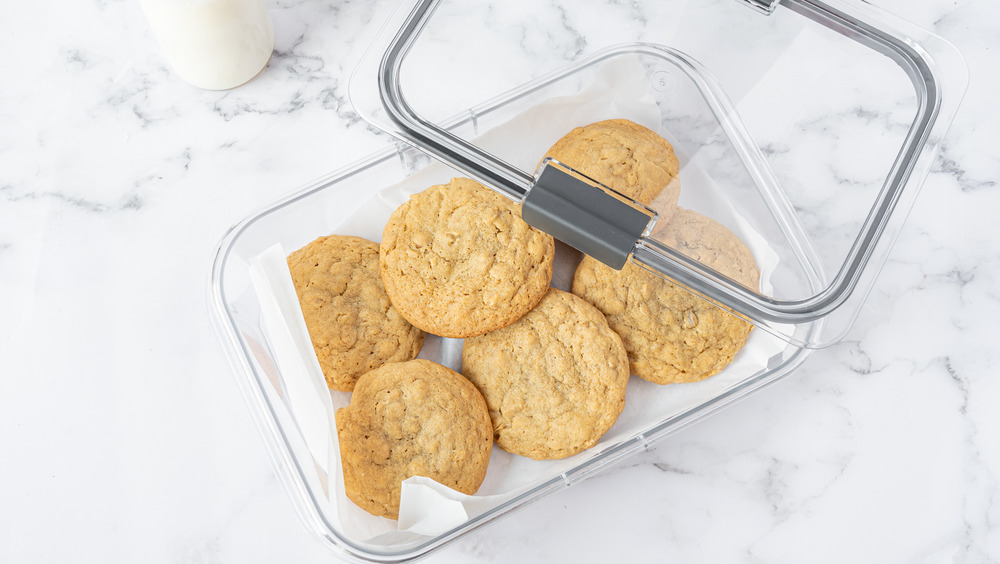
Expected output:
(212, 44)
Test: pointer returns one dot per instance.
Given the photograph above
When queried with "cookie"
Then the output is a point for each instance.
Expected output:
(626, 157)
(554, 381)
(414, 418)
(352, 324)
(457, 260)
(671, 335)
(710, 243)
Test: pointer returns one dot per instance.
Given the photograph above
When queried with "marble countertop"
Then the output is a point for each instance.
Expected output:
(124, 437)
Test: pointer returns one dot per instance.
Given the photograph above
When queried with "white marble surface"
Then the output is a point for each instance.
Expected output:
(123, 436)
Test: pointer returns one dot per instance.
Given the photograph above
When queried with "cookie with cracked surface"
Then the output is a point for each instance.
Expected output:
(457, 260)
(626, 157)
(671, 335)
(414, 418)
(352, 324)
(554, 381)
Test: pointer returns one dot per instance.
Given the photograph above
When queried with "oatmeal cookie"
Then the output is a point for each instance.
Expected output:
(352, 324)
(414, 418)
(457, 260)
(626, 157)
(554, 381)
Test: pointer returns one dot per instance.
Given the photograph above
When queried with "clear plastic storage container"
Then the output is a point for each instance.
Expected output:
(746, 91)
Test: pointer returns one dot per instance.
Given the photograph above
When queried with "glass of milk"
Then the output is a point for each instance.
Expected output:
(212, 44)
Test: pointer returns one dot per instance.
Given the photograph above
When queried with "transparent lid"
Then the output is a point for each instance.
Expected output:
(803, 128)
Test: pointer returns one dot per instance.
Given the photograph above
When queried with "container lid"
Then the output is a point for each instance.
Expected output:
(805, 128)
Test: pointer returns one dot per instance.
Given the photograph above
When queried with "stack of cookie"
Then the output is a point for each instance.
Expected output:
(544, 372)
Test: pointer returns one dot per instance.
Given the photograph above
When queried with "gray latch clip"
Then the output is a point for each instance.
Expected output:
(585, 214)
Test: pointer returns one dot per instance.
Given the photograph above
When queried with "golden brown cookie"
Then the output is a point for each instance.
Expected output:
(671, 335)
(414, 418)
(554, 381)
(457, 260)
(626, 157)
(710, 243)
(351, 322)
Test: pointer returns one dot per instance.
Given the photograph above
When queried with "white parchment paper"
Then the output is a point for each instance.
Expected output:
(428, 508)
